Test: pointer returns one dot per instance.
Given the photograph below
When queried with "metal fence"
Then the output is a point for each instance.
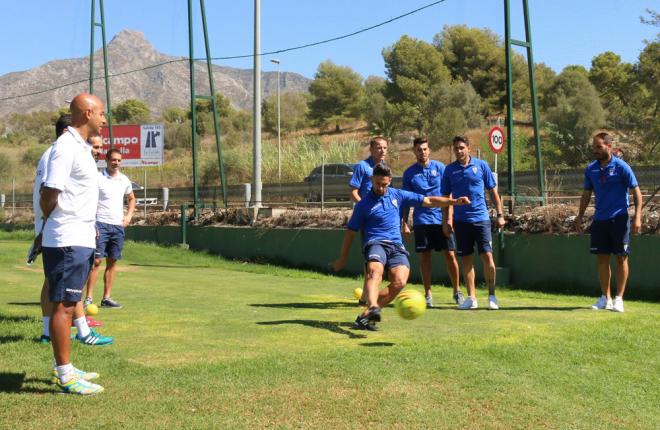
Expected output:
(335, 191)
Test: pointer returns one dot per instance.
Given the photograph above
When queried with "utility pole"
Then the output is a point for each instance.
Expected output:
(256, 107)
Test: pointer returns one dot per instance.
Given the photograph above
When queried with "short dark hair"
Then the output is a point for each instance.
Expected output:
(374, 140)
(420, 140)
(605, 137)
(110, 152)
(382, 170)
(460, 138)
(61, 124)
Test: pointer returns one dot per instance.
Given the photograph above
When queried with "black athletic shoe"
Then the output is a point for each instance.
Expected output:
(109, 303)
(362, 302)
(373, 315)
(362, 323)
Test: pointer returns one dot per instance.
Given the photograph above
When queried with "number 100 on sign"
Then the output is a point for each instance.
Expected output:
(496, 139)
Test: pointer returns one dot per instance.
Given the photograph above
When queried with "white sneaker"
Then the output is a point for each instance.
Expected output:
(618, 305)
(603, 303)
(469, 303)
(492, 303)
(429, 301)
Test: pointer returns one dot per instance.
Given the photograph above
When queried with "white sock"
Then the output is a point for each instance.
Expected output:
(81, 325)
(46, 321)
(64, 372)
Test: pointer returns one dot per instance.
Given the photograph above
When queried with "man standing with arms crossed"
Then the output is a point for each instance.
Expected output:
(610, 178)
(68, 201)
(377, 217)
(424, 178)
(110, 223)
(360, 182)
(470, 177)
(82, 323)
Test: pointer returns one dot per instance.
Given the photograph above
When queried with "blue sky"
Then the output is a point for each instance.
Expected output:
(564, 32)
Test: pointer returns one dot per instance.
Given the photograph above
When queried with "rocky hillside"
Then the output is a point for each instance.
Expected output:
(159, 87)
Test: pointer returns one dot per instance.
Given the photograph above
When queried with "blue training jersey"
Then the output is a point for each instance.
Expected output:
(470, 181)
(425, 180)
(379, 218)
(361, 178)
(610, 185)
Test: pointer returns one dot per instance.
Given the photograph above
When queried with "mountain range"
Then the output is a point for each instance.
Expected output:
(160, 87)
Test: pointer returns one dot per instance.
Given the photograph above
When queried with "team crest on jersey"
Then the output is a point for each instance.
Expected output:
(434, 172)
(611, 172)
(474, 170)
(395, 203)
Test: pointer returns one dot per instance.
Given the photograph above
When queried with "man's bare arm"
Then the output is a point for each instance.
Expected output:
(584, 202)
(440, 202)
(355, 195)
(48, 200)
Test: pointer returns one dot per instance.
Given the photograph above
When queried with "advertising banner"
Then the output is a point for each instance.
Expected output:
(140, 145)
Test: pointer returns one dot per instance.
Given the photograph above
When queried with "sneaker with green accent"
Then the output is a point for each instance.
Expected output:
(79, 386)
(44, 339)
(94, 338)
(87, 376)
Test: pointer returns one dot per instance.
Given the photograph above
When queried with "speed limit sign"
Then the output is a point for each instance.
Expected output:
(496, 139)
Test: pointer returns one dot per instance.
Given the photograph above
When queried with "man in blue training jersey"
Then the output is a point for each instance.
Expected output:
(424, 178)
(610, 178)
(469, 177)
(360, 182)
(377, 216)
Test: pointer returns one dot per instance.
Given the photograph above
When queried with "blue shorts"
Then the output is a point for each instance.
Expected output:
(389, 254)
(67, 269)
(611, 236)
(467, 233)
(429, 237)
(110, 241)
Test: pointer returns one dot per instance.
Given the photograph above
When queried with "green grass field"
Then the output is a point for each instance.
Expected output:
(206, 343)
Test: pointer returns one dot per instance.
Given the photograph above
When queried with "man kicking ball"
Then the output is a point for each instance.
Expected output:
(378, 217)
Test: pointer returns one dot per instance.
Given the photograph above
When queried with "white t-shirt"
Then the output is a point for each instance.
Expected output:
(112, 190)
(36, 189)
(71, 169)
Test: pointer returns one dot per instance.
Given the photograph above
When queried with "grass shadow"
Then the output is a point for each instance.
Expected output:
(169, 266)
(24, 303)
(377, 344)
(18, 383)
(332, 326)
(10, 339)
(16, 318)
(542, 308)
(306, 305)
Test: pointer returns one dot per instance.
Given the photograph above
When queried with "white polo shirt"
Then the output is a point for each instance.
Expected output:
(112, 190)
(71, 169)
(36, 189)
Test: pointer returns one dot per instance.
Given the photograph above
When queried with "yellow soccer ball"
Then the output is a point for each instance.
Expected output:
(91, 309)
(357, 293)
(410, 304)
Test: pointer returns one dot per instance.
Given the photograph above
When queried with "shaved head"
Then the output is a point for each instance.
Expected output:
(87, 115)
(83, 102)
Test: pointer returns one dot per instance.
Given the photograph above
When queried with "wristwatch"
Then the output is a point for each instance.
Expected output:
(500, 216)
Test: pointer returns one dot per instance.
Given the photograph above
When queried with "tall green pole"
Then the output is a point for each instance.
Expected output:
(92, 30)
(107, 78)
(93, 26)
(214, 101)
(509, 100)
(193, 111)
(535, 114)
